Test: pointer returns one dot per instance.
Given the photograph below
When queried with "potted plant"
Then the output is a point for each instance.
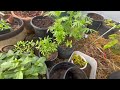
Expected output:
(67, 28)
(41, 24)
(108, 24)
(22, 66)
(26, 16)
(15, 24)
(79, 61)
(60, 70)
(47, 48)
(97, 21)
(113, 44)
(4, 27)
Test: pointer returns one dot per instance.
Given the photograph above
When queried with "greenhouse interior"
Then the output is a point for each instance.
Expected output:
(59, 45)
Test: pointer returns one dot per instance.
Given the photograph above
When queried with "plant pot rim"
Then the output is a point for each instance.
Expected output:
(97, 15)
(5, 47)
(75, 67)
(27, 18)
(81, 57)
(31, 22)
(56, 55)
(58, 64)
(14, 32)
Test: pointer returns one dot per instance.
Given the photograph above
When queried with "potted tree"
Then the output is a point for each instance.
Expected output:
(66, 28)
(97, 21)
(26, 16)
(41, 24)
(48, 49)
(22, 66)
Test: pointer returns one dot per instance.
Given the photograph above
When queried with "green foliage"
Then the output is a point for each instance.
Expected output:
(24, 47)
(4, 25)
(78, 60)
(73, 25)
(113, 41)
(46, 46)
(110, 23)
(22, 66)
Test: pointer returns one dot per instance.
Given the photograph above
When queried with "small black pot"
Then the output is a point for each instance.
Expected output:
(40, 32)
(114, 75)
(96, 24)
(104, 28)
(63, 66)
(75, 73)
(65, 53)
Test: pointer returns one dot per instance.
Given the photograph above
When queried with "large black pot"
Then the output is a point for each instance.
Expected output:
(60, 70)
(40, 32)
(97, 22)
(65, 53)
(13, 32)
(75, 73)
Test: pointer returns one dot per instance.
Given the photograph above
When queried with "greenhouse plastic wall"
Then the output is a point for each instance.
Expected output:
(115, 15)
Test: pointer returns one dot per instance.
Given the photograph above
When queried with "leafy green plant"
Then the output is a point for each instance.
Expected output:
(21, 66)
(46, 46)
(73, 25)
(24, 47)
(78, 60)
(113, 41)
(4, 25)
(109, 22)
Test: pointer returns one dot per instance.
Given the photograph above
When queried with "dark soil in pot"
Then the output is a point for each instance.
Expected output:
(104, 28)
(58, 70)
(25, 14)
(41, 24)
(97, 21)
(75, 73)
(64, 52)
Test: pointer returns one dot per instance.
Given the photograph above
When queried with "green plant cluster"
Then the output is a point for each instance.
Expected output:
(46, 46)
(109, 22)
(21, 66)
(78, 60)
(4, 25)
(24, 47)
(74, 24)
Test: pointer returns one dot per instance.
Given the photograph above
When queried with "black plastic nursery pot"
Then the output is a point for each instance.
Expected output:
(65, 52)
(5, 31)
(41, 24)
(104, 28)
(75, 73)
(114, 75)
(60, 70)
(97, 21)
(13, 32)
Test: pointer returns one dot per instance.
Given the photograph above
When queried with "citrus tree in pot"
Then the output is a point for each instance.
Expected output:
(48, 49)
(26, 16)
(66, 28)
